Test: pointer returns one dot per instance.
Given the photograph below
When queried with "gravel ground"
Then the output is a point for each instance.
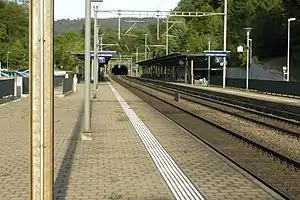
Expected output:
(286, 144)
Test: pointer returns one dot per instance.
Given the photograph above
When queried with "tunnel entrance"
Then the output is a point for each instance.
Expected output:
(122, 70)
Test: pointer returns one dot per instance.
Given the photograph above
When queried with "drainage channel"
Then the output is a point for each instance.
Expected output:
(179, 184)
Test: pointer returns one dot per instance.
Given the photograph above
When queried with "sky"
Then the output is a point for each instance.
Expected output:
(74, 9)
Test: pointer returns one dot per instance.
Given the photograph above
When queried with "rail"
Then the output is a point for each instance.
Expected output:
(257, 159)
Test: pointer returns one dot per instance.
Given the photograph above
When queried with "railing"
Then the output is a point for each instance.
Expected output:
(18, 86)
(7, 88)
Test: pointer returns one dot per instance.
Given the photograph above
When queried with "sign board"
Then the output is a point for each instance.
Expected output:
(217, 53)
(101, 59)
(105, 54)
(240, 49)
(135, 67)
(219, 59)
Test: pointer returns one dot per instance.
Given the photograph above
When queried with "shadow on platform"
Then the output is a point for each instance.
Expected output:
(62, 180)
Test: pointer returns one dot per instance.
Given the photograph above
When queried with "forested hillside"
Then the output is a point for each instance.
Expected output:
(67, 25)
(268, 18)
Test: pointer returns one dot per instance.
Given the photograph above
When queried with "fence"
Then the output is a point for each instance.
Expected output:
(63, 84)
(7, 88)
(277, 87)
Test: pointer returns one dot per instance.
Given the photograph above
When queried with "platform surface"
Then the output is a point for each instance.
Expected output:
(14, 142)
(255, 95)
(213, 176)
(116, 164)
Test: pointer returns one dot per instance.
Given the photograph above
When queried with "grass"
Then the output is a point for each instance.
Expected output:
(122, 118)
(115, 196)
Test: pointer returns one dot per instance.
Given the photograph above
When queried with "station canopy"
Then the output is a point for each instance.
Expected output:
(175, 59)
(103, 56)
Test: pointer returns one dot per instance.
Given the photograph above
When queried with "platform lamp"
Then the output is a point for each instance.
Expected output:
(7, 60)
(87, 76)
(248, 30)
(288, 50)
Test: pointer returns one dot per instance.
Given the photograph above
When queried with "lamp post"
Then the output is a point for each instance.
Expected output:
(146, 46)
(225, 41)
(7, 56)
(288, 50)
(251, 51)
(248, 30)
(95, 52)
(208, 60)
(87, 64)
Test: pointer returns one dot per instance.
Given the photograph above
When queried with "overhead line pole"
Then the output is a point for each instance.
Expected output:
(157, 28)
(167, 36)
(225, 42)
(95, 52)
(86, 135)
(146, 46)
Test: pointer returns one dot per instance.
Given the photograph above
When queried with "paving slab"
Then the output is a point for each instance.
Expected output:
(114, 165)
(14, 142)
(214, 176)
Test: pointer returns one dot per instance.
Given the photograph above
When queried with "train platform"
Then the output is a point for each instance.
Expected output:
(250, 94)
(135, 153)
(286, 107)
(14, 142)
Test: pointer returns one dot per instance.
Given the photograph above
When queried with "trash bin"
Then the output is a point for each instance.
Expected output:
(177, 96)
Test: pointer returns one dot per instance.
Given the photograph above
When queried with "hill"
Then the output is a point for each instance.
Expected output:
(67, 25)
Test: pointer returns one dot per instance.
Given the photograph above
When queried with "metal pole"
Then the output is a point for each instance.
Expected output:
(87, 62)
(288, 52)
(0, 69)
(137, 55)
(7, 65)
(225, 42)
(208, 72)
(192, 72)
(167, 37)
(119, 27)
(157, 28)
(251, 51)
(248, 58)
(146, 46)
(95, 52)
(131, 66)
(101, 43)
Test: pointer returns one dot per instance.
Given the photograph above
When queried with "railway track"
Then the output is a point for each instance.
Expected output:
(282, 129)
(278, 112)
(277, 170)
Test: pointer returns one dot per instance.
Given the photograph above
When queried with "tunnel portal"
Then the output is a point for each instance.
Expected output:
(119, 70)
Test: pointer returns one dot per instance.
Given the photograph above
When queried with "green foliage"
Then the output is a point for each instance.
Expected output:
(13, 35)
(268, 18)
(63, 45)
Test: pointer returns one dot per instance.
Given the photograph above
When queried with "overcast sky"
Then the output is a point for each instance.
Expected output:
(73, 9)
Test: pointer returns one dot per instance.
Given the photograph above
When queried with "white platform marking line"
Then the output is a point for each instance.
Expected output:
(176, 172)
(179, 184)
